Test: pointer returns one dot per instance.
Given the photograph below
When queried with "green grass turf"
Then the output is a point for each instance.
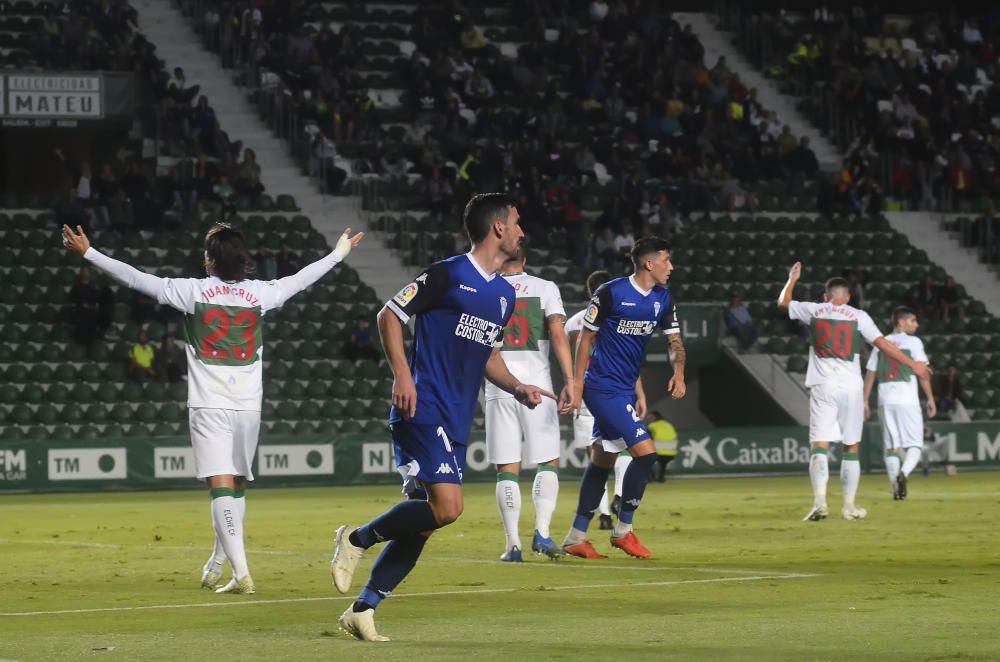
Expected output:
(916, 581)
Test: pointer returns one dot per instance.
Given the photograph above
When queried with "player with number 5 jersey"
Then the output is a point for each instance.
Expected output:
(836, 402)
(515, 433)
(223, 325)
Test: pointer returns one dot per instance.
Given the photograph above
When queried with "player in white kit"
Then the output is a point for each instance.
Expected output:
(583, 422)
(515, 433)
(223, 327)
(836, 399)
(898, 401)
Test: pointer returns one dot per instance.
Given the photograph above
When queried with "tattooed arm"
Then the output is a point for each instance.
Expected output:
(676, 385)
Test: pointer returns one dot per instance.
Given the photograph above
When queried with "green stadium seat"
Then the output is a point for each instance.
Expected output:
(121, 413)
(175, 412)
(46, 414)
(351, 426)
(32, 393)
(310, 410)
(280, 428)
(113, 431)
(286, 410)
(304, 428)
(293, 390)
(72, 414)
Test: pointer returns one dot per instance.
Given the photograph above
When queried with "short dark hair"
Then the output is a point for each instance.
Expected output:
(482, 211)
(835, 283)
(646, 247)
(657, 414)
(226, 254)
(902, 313)
(595, 280)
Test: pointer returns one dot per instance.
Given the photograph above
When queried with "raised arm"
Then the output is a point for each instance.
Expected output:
(77, 242)
(564, 356)
(785, 298)
(289, 286)
(404, 391)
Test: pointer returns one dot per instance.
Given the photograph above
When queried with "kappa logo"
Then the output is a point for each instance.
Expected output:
(628, 303)
(639, 432)
(463, 286)
(503, 306)
(422, 279)
(444, 469)
(634, 502)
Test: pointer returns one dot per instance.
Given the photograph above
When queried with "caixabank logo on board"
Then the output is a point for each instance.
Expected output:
(13, 464)
(87, 464)
(295, 460)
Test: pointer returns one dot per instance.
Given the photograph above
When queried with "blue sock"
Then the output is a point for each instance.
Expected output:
(391, 568)
(633, 486)
(592, 486)
(405, 519)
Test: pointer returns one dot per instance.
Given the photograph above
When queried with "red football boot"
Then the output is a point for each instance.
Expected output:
(631, 546)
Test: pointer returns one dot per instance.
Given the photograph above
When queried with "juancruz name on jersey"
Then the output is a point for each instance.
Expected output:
(477, 329)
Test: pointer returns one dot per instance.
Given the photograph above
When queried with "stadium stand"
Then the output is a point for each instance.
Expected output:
(58, 384)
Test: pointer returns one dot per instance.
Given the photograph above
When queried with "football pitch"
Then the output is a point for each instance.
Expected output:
(735, 575)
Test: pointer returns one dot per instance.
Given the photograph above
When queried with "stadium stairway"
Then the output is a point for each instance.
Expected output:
(178, 45)
(925, 231)
(718, 43)
(771, 373)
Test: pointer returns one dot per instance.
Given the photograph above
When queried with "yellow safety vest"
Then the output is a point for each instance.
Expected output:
(664, 437)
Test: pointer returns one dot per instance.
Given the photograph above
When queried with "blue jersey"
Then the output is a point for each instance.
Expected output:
(460, 314)
(624, 318)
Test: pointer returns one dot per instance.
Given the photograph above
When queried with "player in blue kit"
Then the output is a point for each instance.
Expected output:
(620, 319)
(460, 306)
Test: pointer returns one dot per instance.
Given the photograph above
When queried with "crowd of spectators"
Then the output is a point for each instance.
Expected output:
(600, 98)
(918, 111)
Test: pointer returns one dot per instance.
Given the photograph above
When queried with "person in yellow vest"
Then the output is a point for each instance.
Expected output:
(665, 439)
(140, 359)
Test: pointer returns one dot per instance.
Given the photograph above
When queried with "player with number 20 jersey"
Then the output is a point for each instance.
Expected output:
(836, 402)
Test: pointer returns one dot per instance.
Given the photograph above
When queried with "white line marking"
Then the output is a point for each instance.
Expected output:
(640, 566)
(103, 545)
(429, 594)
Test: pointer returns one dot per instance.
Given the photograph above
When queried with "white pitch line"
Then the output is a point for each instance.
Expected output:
(639, 566)
(104, 545)
(429, 594)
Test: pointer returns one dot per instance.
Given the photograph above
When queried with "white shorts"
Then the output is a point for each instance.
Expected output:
(224, 441)
(508, 423)
(836, 413)
(583, 430)
(902, 426)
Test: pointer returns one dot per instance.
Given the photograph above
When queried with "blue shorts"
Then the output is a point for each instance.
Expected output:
(616, 424)
(424, 454)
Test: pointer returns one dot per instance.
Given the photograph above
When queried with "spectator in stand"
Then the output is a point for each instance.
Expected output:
(204, 125)
(140, 360)
(856, 287)
(948, 391)
(85, 299)
(802, 162)
(361, 344)
(624, 241)
(179, 88)
(949, 300)
(439, 192)
(325, 163)
(604, 249)
(169, 362)
(248, 177)
(478, 90)
(143, 308)
(265, 264)
(138, 193)
(923, 297)
(738, 321)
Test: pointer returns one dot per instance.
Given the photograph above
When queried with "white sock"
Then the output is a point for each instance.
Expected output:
(604, 508)
(850, 476)
(574, 537)
(226, 515)
(892, 466)
(544, 493)
(913, 455)
(819, 475)
(621, 464)
(621, 529)
(509, 503)
(218, 557)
